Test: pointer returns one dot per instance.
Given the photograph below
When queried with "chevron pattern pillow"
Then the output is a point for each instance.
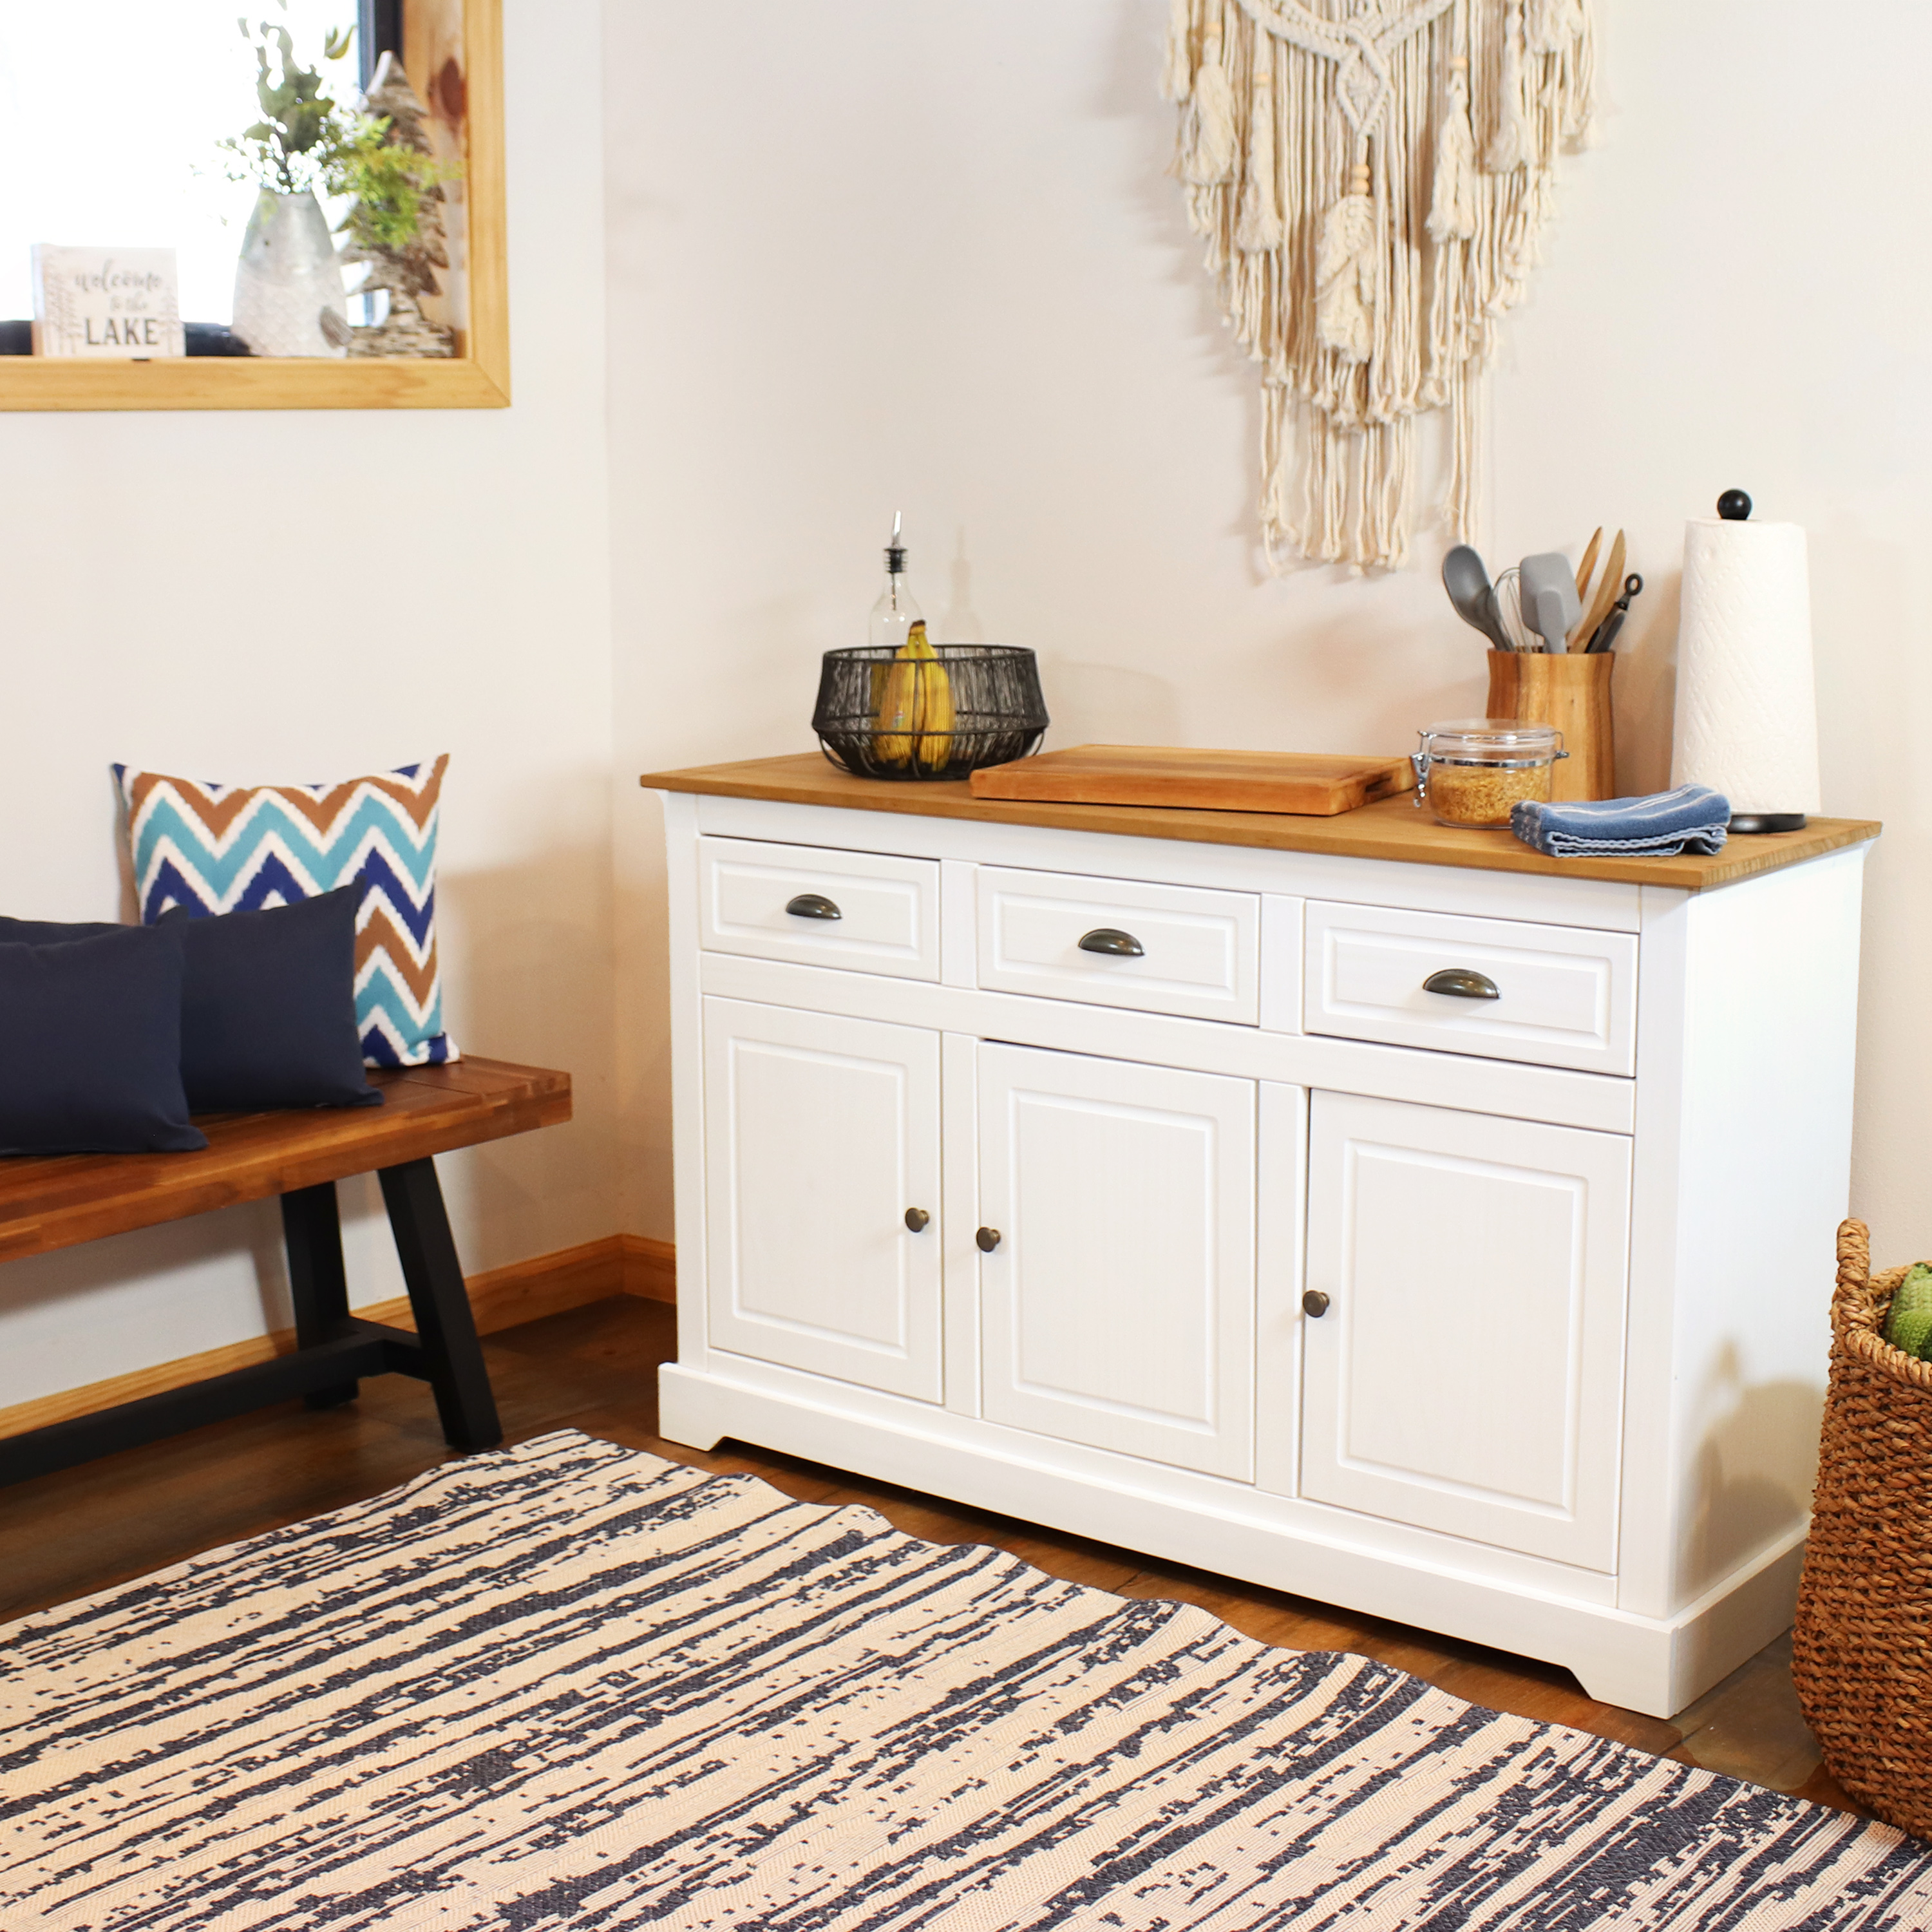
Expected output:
(217, 848)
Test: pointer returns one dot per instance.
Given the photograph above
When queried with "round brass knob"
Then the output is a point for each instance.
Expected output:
(917, 1219)
(988, 1239)
(1315, 1303)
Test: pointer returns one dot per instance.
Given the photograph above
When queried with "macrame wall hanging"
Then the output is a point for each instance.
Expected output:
(1372, 178)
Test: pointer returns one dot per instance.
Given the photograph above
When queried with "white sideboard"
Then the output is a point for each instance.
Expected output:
(1141, 1186)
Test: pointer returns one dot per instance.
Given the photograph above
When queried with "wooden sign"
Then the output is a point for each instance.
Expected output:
(118, 302)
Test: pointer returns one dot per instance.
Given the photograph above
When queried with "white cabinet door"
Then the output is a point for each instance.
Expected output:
(820, 1133)
(1467, 1375)
(1118, 1308)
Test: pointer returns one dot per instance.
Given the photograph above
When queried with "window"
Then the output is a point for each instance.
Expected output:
(110, 116)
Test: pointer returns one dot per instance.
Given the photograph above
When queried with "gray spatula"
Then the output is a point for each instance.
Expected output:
(1550, 605)
(1474, 598)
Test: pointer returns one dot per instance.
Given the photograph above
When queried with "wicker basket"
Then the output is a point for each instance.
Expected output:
(1862, 1653)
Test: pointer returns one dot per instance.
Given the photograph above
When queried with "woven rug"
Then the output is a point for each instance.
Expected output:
(568, 1684)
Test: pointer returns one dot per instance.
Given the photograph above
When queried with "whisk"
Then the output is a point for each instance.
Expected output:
(1509, 608)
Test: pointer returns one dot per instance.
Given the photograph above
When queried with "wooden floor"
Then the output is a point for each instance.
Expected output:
(64, 1535)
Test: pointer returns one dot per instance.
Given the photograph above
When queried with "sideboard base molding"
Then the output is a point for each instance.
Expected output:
(1656, 1666)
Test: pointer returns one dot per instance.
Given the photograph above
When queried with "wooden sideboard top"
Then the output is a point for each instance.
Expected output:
(1394, 829)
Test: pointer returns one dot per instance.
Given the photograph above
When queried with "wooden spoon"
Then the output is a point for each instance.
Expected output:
(1583, 569)
(1609, 587)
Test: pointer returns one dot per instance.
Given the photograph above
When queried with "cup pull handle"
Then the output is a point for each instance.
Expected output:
(1460, 984)
(813, 905)
(1111, 939)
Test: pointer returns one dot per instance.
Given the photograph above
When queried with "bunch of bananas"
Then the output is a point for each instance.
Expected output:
(914, 706)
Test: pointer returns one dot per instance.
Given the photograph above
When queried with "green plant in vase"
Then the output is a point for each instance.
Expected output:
(289, 294)
(301, 129)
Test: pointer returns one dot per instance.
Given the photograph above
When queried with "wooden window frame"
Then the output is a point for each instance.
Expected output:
(477, 377)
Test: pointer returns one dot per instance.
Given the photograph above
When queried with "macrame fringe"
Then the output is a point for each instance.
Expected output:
(1549, 26)
(1452, 208)
(1259, 229)
(1345, 288)
(1510, 149)
(1352, 499)
(1176, 80)
(1209, 142)
(1465, 467)
(1371, 189)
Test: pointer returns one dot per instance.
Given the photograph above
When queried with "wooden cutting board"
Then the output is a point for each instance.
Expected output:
(1318, 784)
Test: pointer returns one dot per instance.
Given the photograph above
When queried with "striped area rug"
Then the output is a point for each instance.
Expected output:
(570, 1685)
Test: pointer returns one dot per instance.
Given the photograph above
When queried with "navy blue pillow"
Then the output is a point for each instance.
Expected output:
(90, 1045)
(269, 1007)
(267, 1016)
(51, 932)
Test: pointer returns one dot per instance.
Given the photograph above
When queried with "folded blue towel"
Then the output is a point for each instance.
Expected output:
(1693, 817)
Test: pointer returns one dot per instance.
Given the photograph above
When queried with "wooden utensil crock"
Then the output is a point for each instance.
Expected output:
(1571, 691)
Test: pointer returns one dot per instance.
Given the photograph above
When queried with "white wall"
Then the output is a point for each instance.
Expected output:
(309, 595)
(865, 255)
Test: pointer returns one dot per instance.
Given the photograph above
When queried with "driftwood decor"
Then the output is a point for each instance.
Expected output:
(1371, 178)
(407, 274)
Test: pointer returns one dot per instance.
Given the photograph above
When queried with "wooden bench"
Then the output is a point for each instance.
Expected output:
(57, 1201)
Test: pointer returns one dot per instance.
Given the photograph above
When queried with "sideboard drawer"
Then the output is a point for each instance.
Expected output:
(864, 911)
(1559, 996)
(1199, 951)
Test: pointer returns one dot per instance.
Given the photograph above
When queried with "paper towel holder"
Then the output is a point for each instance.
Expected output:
(1734, 506)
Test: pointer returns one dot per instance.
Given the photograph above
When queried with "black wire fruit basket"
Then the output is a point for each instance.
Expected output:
(882, 715)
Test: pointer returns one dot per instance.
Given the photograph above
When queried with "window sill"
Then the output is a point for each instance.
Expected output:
(250, 382)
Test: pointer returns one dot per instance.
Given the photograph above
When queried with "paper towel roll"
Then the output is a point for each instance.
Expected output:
(1746, 702)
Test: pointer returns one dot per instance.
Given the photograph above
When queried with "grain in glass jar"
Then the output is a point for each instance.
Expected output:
(1470, 771)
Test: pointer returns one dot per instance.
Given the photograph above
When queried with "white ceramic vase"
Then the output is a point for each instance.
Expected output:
(289, 296)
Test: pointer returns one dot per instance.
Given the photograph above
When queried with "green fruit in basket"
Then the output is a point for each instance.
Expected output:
(1908, 1326)
(1909, 1334)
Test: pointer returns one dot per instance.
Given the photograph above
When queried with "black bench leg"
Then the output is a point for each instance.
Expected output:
(318, 1285)
(453, 1356)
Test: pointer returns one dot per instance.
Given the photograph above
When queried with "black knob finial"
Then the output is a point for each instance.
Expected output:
(1734, 506)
